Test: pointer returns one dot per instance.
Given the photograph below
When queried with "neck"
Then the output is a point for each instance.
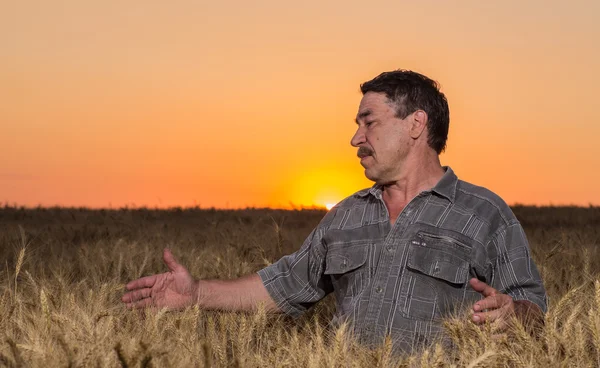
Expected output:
(416, 176)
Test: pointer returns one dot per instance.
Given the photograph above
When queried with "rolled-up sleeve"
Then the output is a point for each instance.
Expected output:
(295, 282)
(513, 270)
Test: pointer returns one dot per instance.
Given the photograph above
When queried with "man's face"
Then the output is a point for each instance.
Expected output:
(382, 138)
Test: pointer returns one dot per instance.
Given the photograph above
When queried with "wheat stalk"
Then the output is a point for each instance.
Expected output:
(121, 355)
(385, 352)
(6, 362)
(580, 342)
(523, 337)
(481, 359)
(243, 337)
(555, 314)
(20, 260)
(68, 352)
(594, 319)
(45, 308)
(438, 356)
(278, 234)
(19, 362)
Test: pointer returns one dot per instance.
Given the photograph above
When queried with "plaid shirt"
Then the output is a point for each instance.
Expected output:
(403, 279)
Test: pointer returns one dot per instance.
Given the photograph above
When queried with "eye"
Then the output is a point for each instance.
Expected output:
(368, 123)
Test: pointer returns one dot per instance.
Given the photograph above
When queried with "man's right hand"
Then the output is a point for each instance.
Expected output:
(175, 289)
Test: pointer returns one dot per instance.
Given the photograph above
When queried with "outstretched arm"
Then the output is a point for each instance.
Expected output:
(177, 289)
(243, 294)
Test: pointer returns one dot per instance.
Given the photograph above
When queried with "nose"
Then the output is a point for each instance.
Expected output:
(358, 138)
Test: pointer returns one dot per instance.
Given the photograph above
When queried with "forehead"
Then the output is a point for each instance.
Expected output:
(373, 103)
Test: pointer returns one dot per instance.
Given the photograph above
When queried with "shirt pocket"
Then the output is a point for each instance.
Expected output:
(436, 277)
(347, 268)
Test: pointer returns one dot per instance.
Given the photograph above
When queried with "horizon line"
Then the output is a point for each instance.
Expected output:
(215, 208)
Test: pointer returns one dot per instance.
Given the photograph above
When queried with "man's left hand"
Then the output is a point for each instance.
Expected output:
(495, 306)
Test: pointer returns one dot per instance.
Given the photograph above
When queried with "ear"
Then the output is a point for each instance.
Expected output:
(418, 124)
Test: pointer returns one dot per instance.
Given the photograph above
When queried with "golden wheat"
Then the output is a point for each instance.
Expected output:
(66, 309)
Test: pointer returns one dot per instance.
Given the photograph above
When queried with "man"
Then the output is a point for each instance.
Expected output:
(417, 246)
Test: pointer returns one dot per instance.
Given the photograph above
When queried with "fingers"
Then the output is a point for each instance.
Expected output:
(144, 282)
(488, 316)
(136, 295)
(149, 281)
(491, 302)
(493, 308)
(482, 287)
(170, 260)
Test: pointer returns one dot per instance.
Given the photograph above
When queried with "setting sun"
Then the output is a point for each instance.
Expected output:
(329, 206)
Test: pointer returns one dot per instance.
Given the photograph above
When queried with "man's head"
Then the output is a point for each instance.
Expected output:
(402, 115)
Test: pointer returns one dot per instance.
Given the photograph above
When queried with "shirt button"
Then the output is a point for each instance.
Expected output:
(378, 289)
(390, 249)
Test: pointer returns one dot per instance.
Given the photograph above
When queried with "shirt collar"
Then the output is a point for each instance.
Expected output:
(446, 186)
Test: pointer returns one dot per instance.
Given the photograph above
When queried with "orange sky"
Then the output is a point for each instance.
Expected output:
(235, 103)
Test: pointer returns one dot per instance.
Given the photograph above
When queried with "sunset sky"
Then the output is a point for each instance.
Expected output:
(252, 103)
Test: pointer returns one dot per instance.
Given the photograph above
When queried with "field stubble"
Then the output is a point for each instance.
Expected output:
(64, 271)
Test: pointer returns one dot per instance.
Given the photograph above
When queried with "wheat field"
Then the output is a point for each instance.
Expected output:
(63, 272)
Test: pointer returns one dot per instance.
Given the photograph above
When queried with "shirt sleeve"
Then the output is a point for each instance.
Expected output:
(295, 282)
(513, 270)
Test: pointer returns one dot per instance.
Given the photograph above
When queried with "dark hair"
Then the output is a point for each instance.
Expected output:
(411, 91)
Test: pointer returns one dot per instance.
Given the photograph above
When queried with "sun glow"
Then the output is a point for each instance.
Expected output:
(318, 186)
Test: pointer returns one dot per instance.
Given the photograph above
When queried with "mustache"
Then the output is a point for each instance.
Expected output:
(364, 151)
